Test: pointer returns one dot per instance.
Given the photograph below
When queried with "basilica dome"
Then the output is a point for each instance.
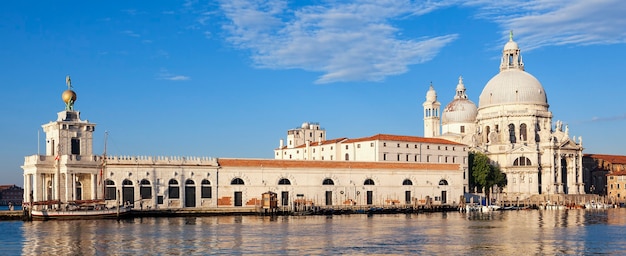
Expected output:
(512, 85)
(461, 109)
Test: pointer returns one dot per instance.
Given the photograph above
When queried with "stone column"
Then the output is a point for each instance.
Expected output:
(558, 170)
(94, 186)
(67, 184)
(35, 187)
(581, 185)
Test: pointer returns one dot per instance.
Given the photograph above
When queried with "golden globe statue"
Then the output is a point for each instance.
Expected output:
(69, 96)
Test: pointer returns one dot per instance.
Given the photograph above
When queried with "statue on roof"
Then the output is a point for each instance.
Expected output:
(68, 81)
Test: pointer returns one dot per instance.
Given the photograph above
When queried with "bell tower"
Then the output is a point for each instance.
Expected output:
(431, 114)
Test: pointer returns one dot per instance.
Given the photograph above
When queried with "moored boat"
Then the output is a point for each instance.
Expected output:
(92, 209)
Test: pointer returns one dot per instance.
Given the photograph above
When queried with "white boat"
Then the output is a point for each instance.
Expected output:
(90, 210)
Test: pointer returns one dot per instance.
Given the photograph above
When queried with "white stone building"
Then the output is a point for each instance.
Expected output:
(513, 126)
(416, 169)
(309, 143)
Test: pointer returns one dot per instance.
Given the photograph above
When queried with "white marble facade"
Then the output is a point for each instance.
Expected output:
(513, 126)
(69, 171)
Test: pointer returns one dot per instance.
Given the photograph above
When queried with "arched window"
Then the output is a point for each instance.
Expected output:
(347, 157)
(523, 132)
(173, 189)
(206, 189)
(127, 183)
(284, 181)
(145, 190)
(443, 182)
(512, 133)
(368, 182)
(109, 190)
(189, 182)
(522, 161)
(237, 181)
(407, 182)
(328, 182)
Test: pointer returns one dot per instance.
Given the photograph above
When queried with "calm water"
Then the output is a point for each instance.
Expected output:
(565, 232)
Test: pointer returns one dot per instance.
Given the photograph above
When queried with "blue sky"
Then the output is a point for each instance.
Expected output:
(228, 78)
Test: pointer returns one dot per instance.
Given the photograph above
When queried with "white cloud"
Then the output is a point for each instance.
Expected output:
(164, 74)
(130, 33)
(558, 22)
(177, 78)
(346, 41)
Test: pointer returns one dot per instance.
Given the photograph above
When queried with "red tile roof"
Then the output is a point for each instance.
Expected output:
(272, 163)
(387, 137)
(613, 159)
(404, 138)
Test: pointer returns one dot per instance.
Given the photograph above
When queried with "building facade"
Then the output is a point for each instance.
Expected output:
(602, 173)
(513, 126)
(69, 171)
(11, 194)
(377, 148)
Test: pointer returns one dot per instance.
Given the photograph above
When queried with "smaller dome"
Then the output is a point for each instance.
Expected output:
(305, 125)
(68, 95)
(459, 111)
(511, 45)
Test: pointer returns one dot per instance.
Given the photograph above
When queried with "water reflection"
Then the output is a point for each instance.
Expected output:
(495, 233)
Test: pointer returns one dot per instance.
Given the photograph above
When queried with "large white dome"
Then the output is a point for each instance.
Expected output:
(513, 86)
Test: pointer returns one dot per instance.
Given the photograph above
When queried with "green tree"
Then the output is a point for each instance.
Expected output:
(484, 175)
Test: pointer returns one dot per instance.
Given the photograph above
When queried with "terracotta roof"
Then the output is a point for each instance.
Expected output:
(325, 142)
(387, 137)
(315, 143)
(614, 159)
(272, 163)
(404, 138)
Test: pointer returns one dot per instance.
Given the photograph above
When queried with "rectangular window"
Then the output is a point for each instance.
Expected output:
(398, 157)
(284, 196)
(384, 157)
(358, 145)
(329, 198)
(109, 193)
(206, 192)
(173, 192)
(407, 197)
(346, 146)
(398, 144)
(372, 144)
(75, 146)
(462, 129)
